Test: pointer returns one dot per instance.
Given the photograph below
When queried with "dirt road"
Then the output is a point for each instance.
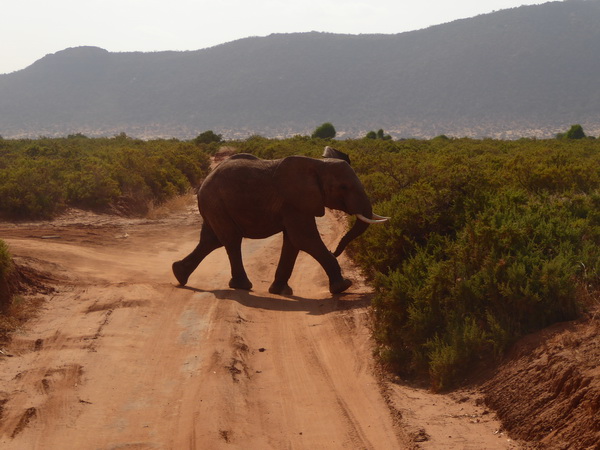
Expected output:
(120, 357)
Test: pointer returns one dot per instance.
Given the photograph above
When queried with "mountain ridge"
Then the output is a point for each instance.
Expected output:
(526, 71)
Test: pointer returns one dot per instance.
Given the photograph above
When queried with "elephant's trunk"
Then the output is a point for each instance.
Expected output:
(357, 229)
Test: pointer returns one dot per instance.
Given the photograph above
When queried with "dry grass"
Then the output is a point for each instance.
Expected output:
(25, 290)
(590, 298)
(174, 205)
(22, 309)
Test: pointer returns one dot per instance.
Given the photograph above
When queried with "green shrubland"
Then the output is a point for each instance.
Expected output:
(39, 178)
(489, 240)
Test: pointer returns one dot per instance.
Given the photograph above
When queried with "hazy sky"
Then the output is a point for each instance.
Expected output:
(30, 29)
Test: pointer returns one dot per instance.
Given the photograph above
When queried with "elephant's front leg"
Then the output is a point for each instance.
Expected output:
(289, 253)
(304, 235)
(208, 242)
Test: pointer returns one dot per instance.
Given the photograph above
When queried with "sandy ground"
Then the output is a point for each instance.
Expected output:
(120, 357)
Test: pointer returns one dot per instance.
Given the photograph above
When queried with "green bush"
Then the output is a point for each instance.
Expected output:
(488, 241)
(512, 270)
(324, 131)
(40, 178)
(92, 184)
(575, 132)
(208, 137)
(32, 189)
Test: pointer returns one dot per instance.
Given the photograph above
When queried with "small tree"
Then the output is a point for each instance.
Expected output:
(382, 135)
(122, 136)
(325, 131)
(208, 137)
(378, 135)
(575, 132)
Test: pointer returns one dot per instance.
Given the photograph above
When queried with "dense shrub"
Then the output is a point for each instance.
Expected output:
(39, 178)
(324, 131)
(208, 137)
(488, 241)
(31, 188)
(575, 132)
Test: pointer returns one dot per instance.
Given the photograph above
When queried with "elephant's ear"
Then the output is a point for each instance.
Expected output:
(298, 180)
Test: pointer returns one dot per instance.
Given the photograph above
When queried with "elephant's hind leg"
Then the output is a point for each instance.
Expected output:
(208, 242)
(239, 278)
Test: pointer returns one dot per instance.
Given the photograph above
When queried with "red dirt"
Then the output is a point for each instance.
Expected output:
(548, 390)
(120, 357)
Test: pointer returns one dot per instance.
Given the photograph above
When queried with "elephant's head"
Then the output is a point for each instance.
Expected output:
(331, 152)
(311, 185)
(345, 192)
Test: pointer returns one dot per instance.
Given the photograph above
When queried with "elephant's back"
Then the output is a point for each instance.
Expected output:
(244, 163)
(246, 156)
(243, 190)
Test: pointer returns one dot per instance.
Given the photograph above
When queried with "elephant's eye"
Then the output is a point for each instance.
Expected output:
(343, 187)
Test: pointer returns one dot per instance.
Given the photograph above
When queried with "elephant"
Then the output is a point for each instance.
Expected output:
(248, 197)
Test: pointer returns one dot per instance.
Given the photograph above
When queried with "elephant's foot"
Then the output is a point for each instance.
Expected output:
(240, 283)
(180, 273)
(281, 288)
(340, 286)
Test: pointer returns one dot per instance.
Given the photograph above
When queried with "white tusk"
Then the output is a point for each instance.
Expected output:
(364, 219)
(377, 216)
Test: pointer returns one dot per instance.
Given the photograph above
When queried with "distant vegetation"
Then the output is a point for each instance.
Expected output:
(380, 134)
(575, 132)
(324, 131)
(208, 137)
(488, 240)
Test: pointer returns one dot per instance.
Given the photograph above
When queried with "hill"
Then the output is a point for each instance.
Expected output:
(527, 71)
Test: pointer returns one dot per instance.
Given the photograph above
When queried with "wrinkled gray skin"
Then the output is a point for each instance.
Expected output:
(247, 197)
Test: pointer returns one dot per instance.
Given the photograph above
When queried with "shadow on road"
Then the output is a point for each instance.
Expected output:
(313, 306)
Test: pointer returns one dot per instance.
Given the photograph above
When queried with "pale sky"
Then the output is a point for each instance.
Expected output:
(31, 29)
